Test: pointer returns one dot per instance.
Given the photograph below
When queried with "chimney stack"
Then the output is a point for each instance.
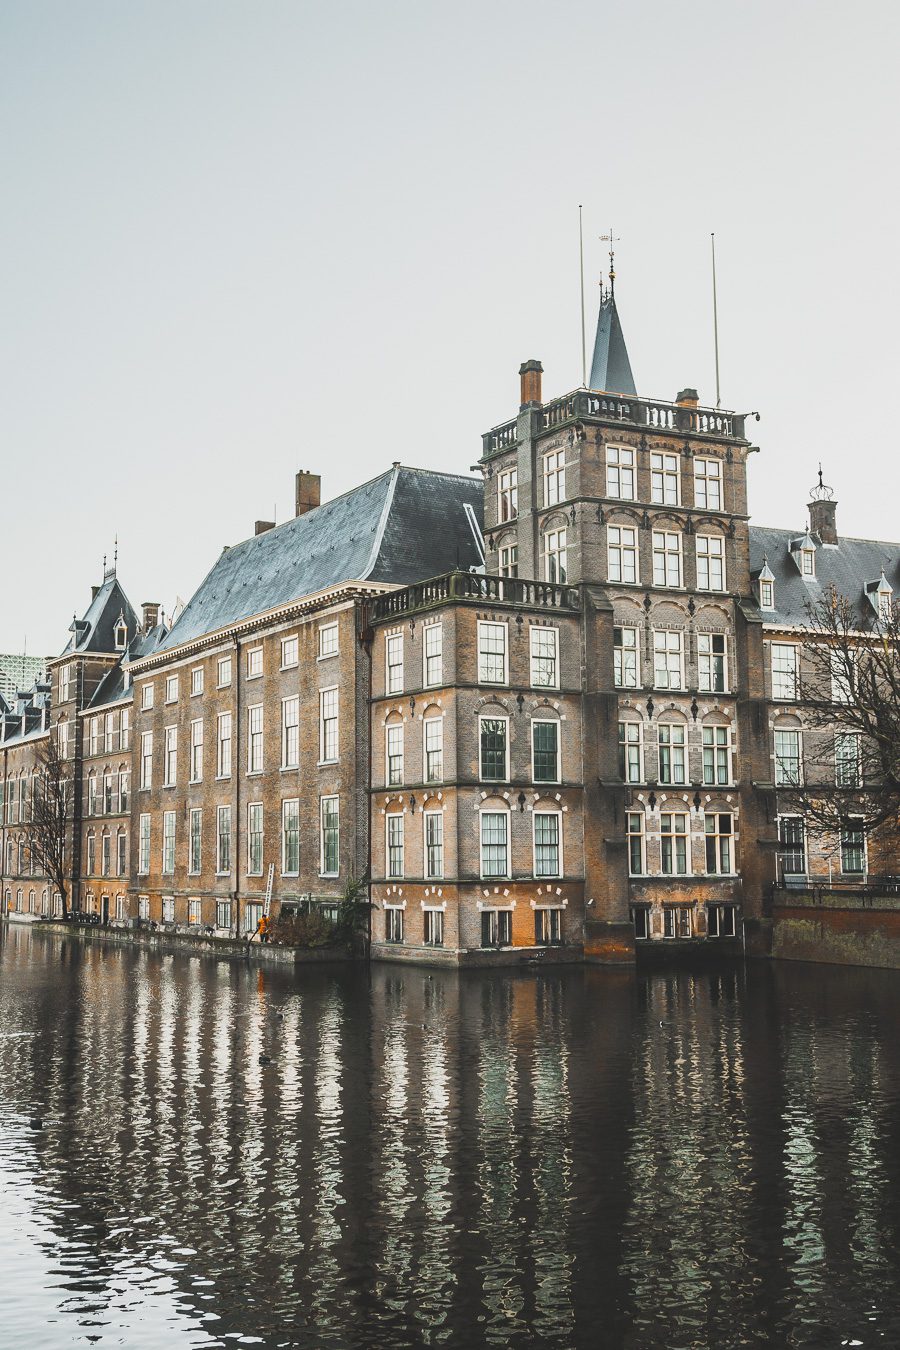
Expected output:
(262, 526)
(149, 615)
(94, 592)
(687, 398)
(530, 373)
(823, 519)
(309, 491)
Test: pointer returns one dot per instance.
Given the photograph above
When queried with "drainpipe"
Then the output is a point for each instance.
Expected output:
(236, 785)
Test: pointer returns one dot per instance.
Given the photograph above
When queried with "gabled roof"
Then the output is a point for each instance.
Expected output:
(850, 566)
(610, 366)
(404, 526)
(96, 631)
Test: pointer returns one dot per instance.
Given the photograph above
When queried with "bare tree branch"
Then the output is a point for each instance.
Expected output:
(52, 814)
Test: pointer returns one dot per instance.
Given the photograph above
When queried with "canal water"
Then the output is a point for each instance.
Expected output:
(572, 1158)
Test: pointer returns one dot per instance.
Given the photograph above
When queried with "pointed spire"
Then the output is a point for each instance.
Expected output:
(610, 366)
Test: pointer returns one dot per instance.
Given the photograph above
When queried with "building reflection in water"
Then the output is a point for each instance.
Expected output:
(405, 1158)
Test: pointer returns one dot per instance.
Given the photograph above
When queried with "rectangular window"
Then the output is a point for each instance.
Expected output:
(496, 928)
(847, 760)
(844, 669)
(716, 756)
(105, 855)
(853, 848)
(433, 927)
(792, 845)
(673, 844)
(494, 844)
(290, 649)
(784, 671)
(545, 751)
(329, 819)
(146, 759)
(434, 844)
(290, 838)
(290, 733)
(168, 909)
(92, 800)
(556, 567)
(720, 921)
(708, 484)
(196, 681)
(393, 923)
(194, 856)
(507, 494)
(194, 911)
(787, 759)
(91, 856)
(712, 663)
(255, 839)
(677, 921)
(121, 853)
(493, 745)
(328, 640)
(434, 749)
(394, 754)
(544, 657)
(509, 560)
(328, 725)
(630, 765)
(672, 754)
(197, 750)
(254, 663)
(625, 662)
(547, 844)
(143, 845)
(719, 830)
(170, 763)
(65, 685)
(766, 595)
(636, 851)
(223, 840)
(640, 917)
(109, 732)
(668, 660)
(664, 479)
(620, 472)
(492, 653)
(168, 842)
(394, 659)
(666, 558)
(171, 688)
(621, 553)
(223, 672)
(223, 746)
(710, 563)
(395, 846)
(255, 738)
(554, 478)
(548, 927)
(433, 655)
(143, 907)
(223, 913)
(125, 735)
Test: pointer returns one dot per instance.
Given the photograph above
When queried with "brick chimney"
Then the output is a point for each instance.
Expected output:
(262, 526)
(823, 519)
(309, 491)
(530, 373)
(687, 398)
(149, 615)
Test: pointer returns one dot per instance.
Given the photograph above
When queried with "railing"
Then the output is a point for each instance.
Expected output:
(639, 412)
(867, 885)
(473, 587)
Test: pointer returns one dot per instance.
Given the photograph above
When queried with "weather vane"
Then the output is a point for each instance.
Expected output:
(612, 240)
(821, 492)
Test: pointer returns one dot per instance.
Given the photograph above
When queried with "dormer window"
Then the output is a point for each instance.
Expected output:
(808, 562)
(881, 598)
(120, 633)
(766, 595)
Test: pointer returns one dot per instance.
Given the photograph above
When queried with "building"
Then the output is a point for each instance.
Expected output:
(19, 672)
(553, 711)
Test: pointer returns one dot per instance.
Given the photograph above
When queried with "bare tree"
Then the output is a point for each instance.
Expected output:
(850, 697)
(53, 802)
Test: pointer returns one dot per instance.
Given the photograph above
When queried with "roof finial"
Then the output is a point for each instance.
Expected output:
(104, 567)
(612, 240)
(821, 492)
(115, 554)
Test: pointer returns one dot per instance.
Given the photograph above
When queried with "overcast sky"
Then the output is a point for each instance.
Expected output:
(240, 239)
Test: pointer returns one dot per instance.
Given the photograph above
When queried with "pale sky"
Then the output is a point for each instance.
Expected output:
(238, 239)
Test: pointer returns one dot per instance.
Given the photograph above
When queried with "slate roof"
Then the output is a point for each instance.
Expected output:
(610, 366)
(95, 631)
(851, 567)
(113, 688)
(404, 526)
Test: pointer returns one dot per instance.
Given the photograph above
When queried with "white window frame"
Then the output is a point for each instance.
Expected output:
(290, 732)
(170, 756)
(706, 663)
(254, 660)
(224, 761)
(171, 689)
(621, 650)
(789, 676)
(674, 746)
(674, 835)
(483, 657)
(782, 778)
(541, 632)
(196, 764)
(394, 820)
(147, 695)
(640, 834)
(665, 478)
(195, 864)
(717, 745)
(620, 461)
(631, 741)
(223, 672)
(223, 812)
(324, 802)
(432, 636)
(430, 873)
(290, 808)
(555, 549)
(710, 550)
(325, 698)
(290, 651)
(325, 647)
(623, 555)
(553, 475)
(169, 842)
(494, 717)
(482, 815)
(841, 762)
(668, 643)
(767, 595)
(255, 739)
(668, 559)
(430, 723)
(393, 737)
(146, 759)
(553, 722)
(393, 667)
(560, 872)
(143, 866)
(708, 473)
(255, 812)
(196, 681)
(507, 494)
